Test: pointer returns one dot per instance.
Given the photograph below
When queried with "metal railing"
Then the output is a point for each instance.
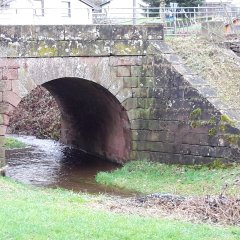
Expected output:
(176, 21)
(179, 21)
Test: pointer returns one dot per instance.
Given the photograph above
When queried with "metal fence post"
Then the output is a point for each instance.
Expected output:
(134, 12)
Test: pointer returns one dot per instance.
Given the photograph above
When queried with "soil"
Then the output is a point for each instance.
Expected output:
(37, 115)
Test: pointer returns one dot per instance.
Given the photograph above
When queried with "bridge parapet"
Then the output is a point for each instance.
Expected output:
(78, 40)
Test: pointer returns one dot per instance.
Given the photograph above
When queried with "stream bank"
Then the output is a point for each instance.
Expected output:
(48, 163)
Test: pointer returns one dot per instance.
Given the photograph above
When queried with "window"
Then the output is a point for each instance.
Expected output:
(66, 9)
(39, 7)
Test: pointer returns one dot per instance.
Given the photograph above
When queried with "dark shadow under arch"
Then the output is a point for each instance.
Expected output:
(91, 118)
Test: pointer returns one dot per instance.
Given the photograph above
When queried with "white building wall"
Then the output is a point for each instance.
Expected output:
(24, 12)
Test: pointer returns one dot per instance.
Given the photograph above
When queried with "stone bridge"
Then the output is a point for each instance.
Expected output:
(123, 94)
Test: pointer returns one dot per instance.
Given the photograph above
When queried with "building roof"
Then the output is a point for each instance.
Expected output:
(87, 2)
(105, 2)
(90, 4)
(5, 2)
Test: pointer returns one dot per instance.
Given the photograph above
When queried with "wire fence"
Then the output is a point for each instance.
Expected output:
(176, 21)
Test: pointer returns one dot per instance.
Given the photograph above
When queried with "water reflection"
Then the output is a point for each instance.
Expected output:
(51, 164)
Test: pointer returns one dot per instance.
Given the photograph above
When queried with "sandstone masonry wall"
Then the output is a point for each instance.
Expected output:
(175, 117)
(179, 119)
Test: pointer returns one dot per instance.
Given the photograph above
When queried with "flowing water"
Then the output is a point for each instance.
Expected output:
(50, 164)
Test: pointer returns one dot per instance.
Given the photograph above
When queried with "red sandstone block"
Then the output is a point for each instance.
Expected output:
(2, 152)
(9, 63)
(2, 141)
(6, 108)
(126, 61)
(124, 71)
(2, 165)
(4, 119)
(3, 129)
(10, 74)
(16, 86)
(5, 85)
(136, 61)
(11, 97)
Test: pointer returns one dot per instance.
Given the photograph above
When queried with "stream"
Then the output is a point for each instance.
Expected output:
(47, 163)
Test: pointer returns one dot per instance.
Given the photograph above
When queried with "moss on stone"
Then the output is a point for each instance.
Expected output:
(212, 120)
(220, 127)
(144, 113)
(134, 145)
(196, 123)
(212, 132)
(74, 52)
(125, 49)
(196, 114)
(142, 80)
(226, 119)
(140, 113)
(47, 51)
(146, 102)
(232, 138)
(219, 163)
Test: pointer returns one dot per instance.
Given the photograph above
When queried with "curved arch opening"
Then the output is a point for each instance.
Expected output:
(92, 119)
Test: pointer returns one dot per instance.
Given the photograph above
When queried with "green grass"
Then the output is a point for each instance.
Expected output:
(148, 177)
(28, 213)
(11, 143)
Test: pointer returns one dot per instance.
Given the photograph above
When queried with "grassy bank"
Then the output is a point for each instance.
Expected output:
(147, 177)
(28, 213)
(11, 143)
(218, 66)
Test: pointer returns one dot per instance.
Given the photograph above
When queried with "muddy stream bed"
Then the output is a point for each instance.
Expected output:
(47, 163)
